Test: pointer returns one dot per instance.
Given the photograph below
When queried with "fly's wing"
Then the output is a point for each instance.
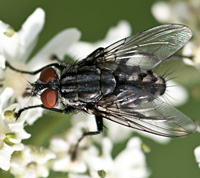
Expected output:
(146, 49)
(156, 117)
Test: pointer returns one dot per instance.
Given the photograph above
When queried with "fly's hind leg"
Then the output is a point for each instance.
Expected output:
(99, 122)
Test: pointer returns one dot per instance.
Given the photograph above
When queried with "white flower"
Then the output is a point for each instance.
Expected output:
(197, 155)
(129, 163)
(184, 12)
(173, 12)
(32, 162)
(11, 132)
(2, 61)
(81, 49)
(192, 49)
(175, 94)
(63, 147)
(197, 150)
(16, 47)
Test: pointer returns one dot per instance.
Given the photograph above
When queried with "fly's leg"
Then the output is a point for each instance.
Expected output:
(92, 58)
(62, 62)
(57, 65)
(96, 53)
(55, 57)
(63, 111)
(99, 122)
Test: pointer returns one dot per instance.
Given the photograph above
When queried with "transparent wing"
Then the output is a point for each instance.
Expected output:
(155, 117)
(148, 48)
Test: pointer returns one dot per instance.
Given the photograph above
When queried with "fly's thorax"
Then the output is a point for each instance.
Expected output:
(87, 84)
(82, 84)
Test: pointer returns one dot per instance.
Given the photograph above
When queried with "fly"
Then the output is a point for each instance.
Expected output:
(117, 83)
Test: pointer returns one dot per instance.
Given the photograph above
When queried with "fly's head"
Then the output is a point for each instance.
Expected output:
(47, 87)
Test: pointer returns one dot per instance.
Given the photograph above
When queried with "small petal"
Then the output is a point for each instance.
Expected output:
(59, 46)
(18, 46)
(81, 49)
(122, 30)
(5, 95)
(5, 155)
(188, 49)
(161, 11)
(66, 165)
(175, 94)
(59, 145)
(2, 61)
(114, 129)
(197, 154)
(32, 26)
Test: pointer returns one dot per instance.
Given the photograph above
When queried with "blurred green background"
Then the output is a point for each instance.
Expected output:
(93, 19)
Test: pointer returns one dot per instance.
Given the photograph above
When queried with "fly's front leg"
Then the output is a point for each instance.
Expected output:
(63, 111)
(99, 122)
(57, 65)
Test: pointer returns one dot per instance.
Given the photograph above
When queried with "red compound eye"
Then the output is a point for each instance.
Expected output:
(47, 75)
(48, 98)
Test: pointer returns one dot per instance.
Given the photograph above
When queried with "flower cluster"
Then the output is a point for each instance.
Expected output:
(130, 162)
(92, 160)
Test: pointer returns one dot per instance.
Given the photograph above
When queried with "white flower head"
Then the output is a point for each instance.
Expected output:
(32, 162)
(128, 163)
(63, 146)
(192, 49)
(184, 12)
(197, 155)
(81, 49)
(11, 131)
(16, 47)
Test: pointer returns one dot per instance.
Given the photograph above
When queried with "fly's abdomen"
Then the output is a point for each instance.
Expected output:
(145, 80)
